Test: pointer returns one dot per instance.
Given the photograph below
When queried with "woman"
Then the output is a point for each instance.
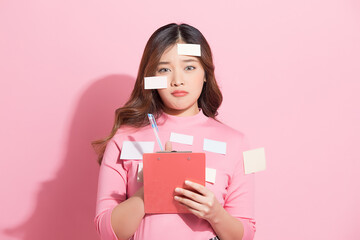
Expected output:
(188, 105)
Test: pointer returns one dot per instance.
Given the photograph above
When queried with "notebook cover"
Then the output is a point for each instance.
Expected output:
(163, 172)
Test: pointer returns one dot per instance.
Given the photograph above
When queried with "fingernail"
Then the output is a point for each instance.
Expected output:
(177, 190)
(176, 198)
(187, 182)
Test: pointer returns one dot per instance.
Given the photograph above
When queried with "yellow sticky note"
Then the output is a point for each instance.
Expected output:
(254, 160)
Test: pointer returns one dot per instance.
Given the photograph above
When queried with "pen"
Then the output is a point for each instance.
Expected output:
(155, 128)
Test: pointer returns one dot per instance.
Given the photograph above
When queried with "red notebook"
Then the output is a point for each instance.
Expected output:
(163, 172)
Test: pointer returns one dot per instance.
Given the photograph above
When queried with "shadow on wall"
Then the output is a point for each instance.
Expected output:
(65, 206)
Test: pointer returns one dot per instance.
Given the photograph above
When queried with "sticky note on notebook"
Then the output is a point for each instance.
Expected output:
(135, 150)
(254, 160)
(181, 138)
(189, 49)
(210, 175)
(214, 146)
(156, 82)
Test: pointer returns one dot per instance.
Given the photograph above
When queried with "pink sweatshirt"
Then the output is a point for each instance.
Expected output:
(232, 188)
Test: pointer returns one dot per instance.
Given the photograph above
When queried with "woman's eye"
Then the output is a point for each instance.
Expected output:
(162, 70)
(188, 68)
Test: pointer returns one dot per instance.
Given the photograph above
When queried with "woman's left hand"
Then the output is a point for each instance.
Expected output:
(201, 202)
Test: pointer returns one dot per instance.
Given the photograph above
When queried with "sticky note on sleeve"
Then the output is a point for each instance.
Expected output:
(189, 49)
(254, 160)
(134, 150)
(156, 82)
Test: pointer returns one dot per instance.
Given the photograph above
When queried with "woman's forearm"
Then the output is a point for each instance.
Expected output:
(227, 227)
(126, 216)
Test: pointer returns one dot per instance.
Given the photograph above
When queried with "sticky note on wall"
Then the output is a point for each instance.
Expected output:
(254, 160)
(189, 49)
(156, 82)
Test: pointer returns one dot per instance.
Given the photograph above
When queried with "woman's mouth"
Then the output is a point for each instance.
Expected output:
(179, 93)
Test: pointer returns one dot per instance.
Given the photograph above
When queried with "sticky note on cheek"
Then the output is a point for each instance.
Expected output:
(189, 49)
(156, 82)
(254, 160)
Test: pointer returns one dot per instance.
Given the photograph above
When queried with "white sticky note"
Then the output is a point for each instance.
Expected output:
(189, 49)
(214, 146)
(181, 138)
(210, 175)
(156, 82)
(139, 177)
(135, 150)
(254, 160)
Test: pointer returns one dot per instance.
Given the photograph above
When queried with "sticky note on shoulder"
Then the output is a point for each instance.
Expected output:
(156, 82)
(132, 150)
(189, 49)
(254, 160)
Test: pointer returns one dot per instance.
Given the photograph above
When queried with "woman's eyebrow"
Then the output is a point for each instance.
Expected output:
(190, 60)
(164, 63)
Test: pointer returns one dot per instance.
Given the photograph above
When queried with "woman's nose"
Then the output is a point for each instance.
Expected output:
(177, 80)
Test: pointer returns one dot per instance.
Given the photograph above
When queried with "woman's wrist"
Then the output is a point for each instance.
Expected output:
(218, 216)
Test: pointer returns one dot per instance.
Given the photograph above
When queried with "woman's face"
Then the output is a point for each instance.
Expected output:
(185, 76)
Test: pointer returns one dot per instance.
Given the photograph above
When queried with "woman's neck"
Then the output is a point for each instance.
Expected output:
(183, 112)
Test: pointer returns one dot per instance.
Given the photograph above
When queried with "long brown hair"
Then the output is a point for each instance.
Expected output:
(141, 101)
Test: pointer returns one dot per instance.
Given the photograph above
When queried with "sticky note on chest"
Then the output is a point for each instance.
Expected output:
(210, 175)
(156, 82)
(189, 49)
(181, 138)
(214, 146)
(135, 150)
(254, 160)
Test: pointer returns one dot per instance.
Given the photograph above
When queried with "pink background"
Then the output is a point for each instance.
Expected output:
(289, 72)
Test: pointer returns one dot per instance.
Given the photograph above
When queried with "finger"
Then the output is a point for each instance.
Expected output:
(191, 195)
(189, 203)
(194, 211)
(168, 146)
(198, 187)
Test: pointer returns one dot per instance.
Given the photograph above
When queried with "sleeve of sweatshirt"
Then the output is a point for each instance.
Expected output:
(111, 190)
(239, 200)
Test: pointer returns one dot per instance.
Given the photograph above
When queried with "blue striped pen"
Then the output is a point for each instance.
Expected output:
(155, 128)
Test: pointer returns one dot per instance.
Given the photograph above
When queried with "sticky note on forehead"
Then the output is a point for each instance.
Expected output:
(156, 82)
(189, 49)
(254, 160)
